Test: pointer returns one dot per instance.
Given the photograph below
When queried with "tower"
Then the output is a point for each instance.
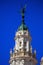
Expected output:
(22, 53)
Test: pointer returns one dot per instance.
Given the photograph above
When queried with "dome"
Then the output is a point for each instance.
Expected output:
(22, 27)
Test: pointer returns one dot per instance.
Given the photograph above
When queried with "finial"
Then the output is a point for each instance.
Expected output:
(10, 51)
(31, 49)
(42, 59)
(11, 54)
(34, 54)
(23, 11)
(34, 51)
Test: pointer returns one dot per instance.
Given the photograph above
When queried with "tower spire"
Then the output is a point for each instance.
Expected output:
(23, 26)
(23, 11)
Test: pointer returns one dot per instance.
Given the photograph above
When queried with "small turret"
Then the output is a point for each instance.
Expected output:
(41, 63)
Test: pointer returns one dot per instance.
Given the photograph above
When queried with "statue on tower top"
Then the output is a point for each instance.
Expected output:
(23, 11)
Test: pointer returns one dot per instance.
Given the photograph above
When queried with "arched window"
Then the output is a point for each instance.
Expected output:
(25, 46)
(20, 49)
(20, 43)
(24, 43)
(24, 32)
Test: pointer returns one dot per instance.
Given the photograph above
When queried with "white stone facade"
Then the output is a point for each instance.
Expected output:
(21, 39)
(22, 49)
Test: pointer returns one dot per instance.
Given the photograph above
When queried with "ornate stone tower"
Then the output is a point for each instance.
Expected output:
(22, 52)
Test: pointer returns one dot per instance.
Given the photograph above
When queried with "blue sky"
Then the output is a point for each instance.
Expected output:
(10, 20)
